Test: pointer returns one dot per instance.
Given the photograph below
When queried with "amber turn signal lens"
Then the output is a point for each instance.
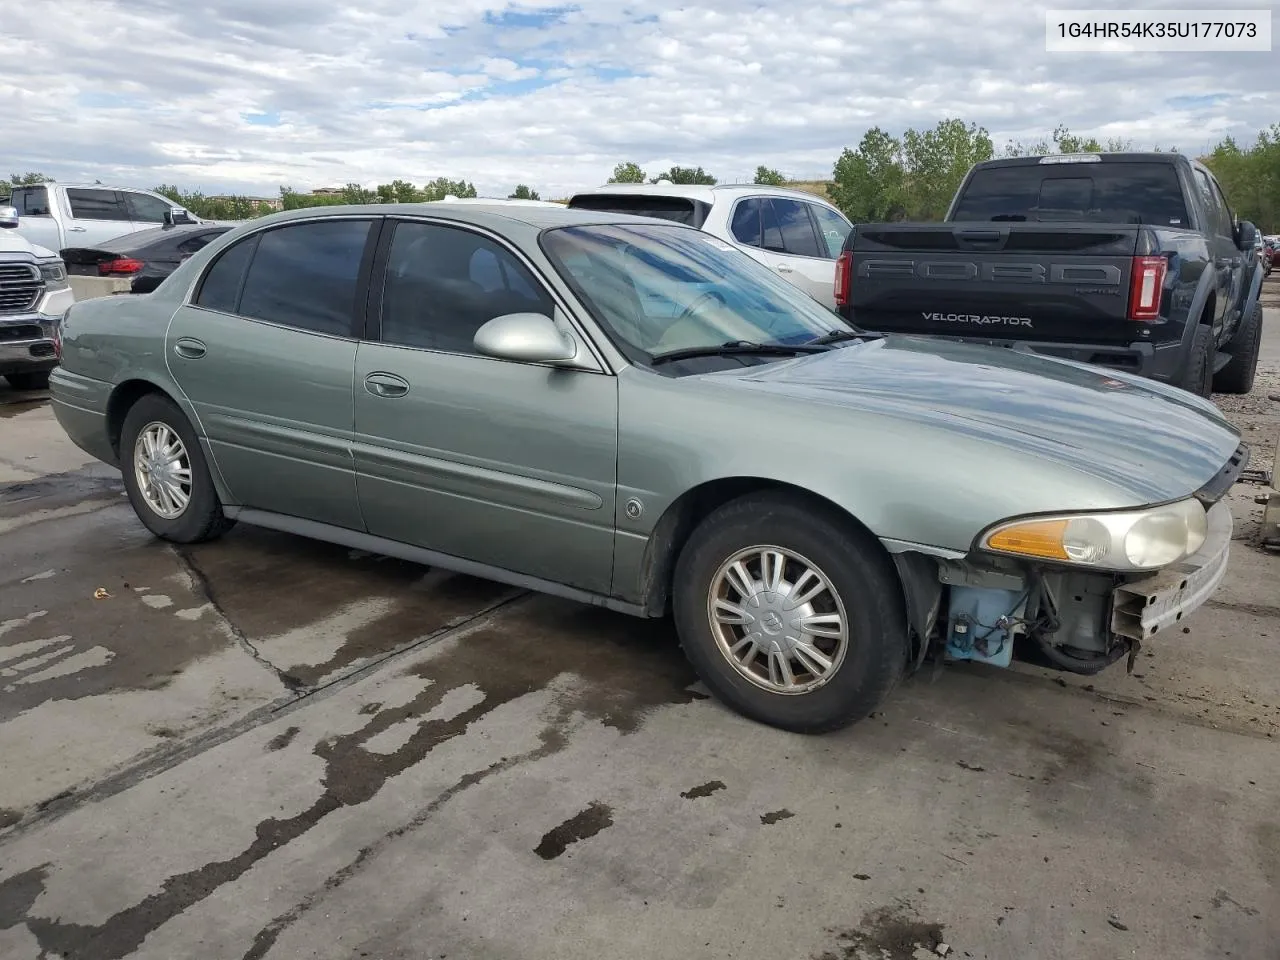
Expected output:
(1032, 539)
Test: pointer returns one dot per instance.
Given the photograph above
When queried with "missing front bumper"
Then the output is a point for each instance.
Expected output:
(1142, 608)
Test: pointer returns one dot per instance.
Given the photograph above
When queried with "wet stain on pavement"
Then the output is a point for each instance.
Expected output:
(9, 817)
(624, 669)
(702, 790)
(18, 893)
(580, 826)
(893, 932)
(282, 740)
(12, 408)
(775, 816)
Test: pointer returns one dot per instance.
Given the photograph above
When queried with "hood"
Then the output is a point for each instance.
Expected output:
(1151, 441)
(13, 242)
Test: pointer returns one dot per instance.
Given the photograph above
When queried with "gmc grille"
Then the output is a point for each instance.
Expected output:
(20, 287)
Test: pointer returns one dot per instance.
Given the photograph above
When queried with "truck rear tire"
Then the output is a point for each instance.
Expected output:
(1237, 376)
(1197, 376)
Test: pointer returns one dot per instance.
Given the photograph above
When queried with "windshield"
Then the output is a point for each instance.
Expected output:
(661, 288)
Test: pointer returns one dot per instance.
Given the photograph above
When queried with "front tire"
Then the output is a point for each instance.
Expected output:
(789, 613)
(165, 473)
(1238, 375)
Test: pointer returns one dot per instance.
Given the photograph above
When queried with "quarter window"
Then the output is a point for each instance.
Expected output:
(220, 289)
(443, 284)
(97, 205)
(307, 275)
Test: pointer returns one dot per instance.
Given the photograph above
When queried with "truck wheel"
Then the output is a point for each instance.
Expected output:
(165, 473)
(1197, 377)
(785, 622)
(29, 380)
(1237, 376)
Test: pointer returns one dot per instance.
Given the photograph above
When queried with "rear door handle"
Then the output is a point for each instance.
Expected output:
(189, 348)
(76, 229)
(783, 268)
(386, 385)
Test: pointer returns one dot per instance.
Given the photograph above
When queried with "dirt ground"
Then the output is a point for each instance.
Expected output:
(268, 747)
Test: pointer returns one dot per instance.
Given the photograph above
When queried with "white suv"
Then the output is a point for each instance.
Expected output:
(795, 233)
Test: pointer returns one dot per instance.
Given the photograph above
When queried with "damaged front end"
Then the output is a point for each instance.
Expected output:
(1077, 620)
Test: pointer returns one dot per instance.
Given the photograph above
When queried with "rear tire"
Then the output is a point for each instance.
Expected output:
(1238, 375)
(736, 585)
(166, 475)
(1197, 377)
(29, 380)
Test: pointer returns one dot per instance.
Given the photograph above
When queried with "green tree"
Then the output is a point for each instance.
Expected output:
(442, 187)
(686, 175)
(1250, 177)
(627, 173)
(869, 182)
(767, 175)
(522, 192)
(935, 162)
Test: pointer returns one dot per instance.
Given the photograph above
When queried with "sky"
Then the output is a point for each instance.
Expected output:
(245, 96)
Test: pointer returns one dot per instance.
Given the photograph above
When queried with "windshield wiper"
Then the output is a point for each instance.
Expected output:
(737, 348)
(840, 336)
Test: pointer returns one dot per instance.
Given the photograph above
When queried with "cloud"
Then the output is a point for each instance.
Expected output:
(249, 95)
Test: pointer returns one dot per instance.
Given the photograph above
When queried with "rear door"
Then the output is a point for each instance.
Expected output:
(508, 464)
(782, 234)
(96, 216)
(36, 220)
(265, 353)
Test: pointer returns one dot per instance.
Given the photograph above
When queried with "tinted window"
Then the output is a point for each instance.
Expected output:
(221, 286)
(147, 209)
(678, 209)
(31, 201)
(97, 205)
(833, 227)
(443, 284)
(798, 236)
(192, 244)
(745, 225)
(306, 276)
(1226, 224)
(1089, 192)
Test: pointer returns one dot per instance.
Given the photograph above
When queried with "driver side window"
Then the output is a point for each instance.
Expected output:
(443, 283)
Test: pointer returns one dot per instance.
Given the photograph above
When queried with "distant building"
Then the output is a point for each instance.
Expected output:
(275, 203)
(329, 192)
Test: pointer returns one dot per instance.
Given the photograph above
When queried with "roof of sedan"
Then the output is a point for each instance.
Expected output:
(538, 217)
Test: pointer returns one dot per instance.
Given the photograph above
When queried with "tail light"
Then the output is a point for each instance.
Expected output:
(1146, 288)
(844, 277)
(123, 265)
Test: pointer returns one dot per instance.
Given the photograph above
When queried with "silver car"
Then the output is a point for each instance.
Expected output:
(633, 414)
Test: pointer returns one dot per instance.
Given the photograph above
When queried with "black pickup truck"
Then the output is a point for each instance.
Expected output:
(1131, 261)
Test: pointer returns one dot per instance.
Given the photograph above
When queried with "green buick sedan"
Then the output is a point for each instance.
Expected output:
(628, 412)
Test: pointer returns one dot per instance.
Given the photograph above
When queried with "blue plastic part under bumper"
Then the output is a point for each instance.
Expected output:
(980, 623)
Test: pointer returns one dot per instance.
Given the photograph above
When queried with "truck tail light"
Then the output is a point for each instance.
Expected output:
(1146, 288)
(844, 277)
(122, 265)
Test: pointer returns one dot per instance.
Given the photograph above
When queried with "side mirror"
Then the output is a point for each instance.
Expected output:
(525, 337)
(8, 217)
(177, 215)
(1246, 235)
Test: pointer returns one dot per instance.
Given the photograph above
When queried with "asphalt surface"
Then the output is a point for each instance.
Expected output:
(269, 747)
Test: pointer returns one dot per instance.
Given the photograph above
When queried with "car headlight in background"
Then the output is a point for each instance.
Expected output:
(54, 274)
(1144, 539)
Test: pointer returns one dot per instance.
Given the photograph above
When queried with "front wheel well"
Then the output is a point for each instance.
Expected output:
(122, 399)
(673, 528)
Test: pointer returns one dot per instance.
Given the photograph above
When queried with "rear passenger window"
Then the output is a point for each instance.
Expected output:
(220, 289)
(306, 276)
(31, 201)
(443, 284)
(97, 205)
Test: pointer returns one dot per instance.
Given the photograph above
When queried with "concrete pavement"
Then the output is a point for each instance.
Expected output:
(268, 747)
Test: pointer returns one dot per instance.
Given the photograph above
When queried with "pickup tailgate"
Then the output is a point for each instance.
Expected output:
(994, 281)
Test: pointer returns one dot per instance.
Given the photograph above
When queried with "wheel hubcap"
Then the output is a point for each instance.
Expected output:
(777, 619)
(163, 470)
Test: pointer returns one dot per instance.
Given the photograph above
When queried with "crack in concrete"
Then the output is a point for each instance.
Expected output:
(205, 589)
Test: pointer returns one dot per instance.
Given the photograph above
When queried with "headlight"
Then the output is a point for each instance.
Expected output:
(54, 274)
(1132, 540)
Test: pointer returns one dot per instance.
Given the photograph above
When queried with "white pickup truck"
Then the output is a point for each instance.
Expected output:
(61, 215)
(34, 294)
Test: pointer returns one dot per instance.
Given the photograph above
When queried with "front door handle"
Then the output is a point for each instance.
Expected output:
(189, 348)
(386, 385)
(76, 229)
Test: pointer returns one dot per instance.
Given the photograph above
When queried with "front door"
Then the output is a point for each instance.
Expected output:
(508, 464)
(265, 353)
